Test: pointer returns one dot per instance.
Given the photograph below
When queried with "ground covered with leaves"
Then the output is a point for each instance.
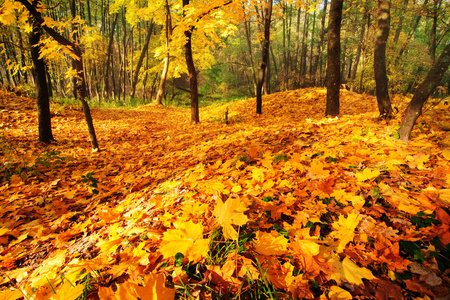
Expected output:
(286, 205)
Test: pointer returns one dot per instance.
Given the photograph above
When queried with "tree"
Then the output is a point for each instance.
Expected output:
(141, 59)
(423, 91)
(334, 58)
(168, 32)
(265, 55)
(40, 79)
(379, 60)
(78, 64)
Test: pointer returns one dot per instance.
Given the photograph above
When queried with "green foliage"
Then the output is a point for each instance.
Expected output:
(89, 178)
(280, 157)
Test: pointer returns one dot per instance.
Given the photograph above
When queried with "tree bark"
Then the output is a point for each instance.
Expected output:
(334, 58)
(195, 115)
(141, 59)
(423, 91)
(162, 83)
(40, 79)
(379, 60)
(265, 55)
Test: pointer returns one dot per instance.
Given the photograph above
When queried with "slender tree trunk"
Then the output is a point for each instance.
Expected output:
(195, 115)
(334, 58)
(379, 57)
(312, 45)
(247, 28)
(411, 34)
(265, 55)
(162, 83)
(141, 59)
(432, 44)
(108, 55)
(359, 49)
(320, 42)
(423, 91)
(400, 22)
(40, 79)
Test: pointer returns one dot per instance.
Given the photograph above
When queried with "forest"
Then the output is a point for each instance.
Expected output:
(224, 149)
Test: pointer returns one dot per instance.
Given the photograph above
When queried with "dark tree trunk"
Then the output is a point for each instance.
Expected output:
(40, 79)
(334, 58)
(141, 59)
(78, 63)
(423, 91)
(265, 56)
(195, 115)
(379, 60)
(108, 54)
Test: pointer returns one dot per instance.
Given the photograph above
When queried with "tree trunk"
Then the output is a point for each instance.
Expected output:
(265, 55)
(141, 59)
(400, 22)
(195, 115)
(80, 82)
(359, 49)
(40, 79)
(423, 91)
(320, 42)
(108, 55)
(334, 58)
(432, 43)
(250, 51)
(379, 60)
(162, 83)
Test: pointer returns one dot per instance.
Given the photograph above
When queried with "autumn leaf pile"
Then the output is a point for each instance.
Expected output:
(287, 205)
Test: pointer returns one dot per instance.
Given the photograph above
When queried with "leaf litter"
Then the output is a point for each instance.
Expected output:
(331, 208)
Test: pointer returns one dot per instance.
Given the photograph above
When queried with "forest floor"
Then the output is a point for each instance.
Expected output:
(286, 205)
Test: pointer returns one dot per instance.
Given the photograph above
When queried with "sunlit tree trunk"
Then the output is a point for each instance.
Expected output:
(379, 60)
(265, 55)
(162, 83)
(359, 48)
(334, 58)
(423, 91)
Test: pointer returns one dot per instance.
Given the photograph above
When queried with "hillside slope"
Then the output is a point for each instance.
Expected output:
(287, 204)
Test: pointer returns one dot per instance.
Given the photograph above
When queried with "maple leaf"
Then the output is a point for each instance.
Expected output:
(187, 239)
(349, 271)
(337, 293)
(367, 174)
(316, 170)
(270, 243)
(345, 230)
(229, 213)
(10, 294)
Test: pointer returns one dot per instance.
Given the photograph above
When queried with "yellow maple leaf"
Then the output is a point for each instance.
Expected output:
(345, 230)
(367, 174)
(337, 293)
(187, 239)
(229, 213)
(349, 271)
(270, 243)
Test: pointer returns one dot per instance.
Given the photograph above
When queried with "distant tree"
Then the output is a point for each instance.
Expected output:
(423, 91)
(334, 58)
(265, 55)
(379, 59)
